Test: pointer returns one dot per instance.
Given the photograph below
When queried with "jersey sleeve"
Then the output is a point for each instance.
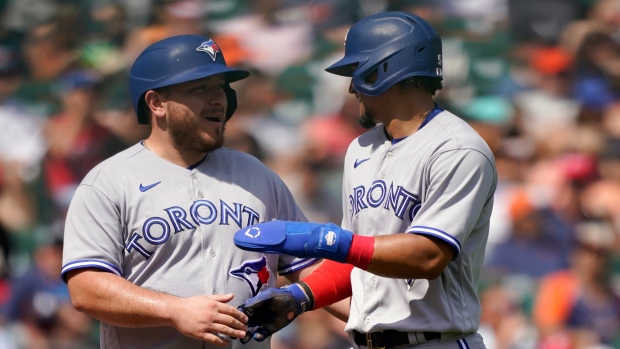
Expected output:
(93, 233)
(460, 185)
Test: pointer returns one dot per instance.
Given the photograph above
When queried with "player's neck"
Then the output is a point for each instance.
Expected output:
(401, 110)
(404, 123)
(171, 154)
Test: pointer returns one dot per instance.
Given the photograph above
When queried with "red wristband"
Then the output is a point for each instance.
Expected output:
(329, 283)
(361, 251)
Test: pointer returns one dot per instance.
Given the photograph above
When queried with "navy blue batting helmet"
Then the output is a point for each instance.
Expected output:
(180, 59)
(396, 45)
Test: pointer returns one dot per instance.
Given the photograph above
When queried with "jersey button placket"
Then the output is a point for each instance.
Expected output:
(388, 155)
(194, 177)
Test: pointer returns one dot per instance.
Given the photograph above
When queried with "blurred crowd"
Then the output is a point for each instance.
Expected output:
(539, 80)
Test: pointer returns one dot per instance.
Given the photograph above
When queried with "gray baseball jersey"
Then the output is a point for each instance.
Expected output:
(168, 228)
(438, 182)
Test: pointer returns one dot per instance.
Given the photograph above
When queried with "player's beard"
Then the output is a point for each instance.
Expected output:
(184, 126)
(366, 119)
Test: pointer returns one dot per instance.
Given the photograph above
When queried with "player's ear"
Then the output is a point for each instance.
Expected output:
(155, 103)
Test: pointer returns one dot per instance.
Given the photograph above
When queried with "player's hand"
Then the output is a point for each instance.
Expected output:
(209, 319)
(273, 309)
(300, 239)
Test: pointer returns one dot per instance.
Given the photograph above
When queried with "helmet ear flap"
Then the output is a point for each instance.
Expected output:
(231, 99)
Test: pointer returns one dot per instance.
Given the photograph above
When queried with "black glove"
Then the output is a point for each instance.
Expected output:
(273, 309)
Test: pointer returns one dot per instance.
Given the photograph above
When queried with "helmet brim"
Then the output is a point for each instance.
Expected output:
(231, 74)
(345, 66)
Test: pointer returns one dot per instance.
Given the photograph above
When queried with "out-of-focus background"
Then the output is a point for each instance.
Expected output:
(539, 79)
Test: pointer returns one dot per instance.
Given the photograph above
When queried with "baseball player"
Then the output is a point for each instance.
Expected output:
(148, 242)
(417, 196)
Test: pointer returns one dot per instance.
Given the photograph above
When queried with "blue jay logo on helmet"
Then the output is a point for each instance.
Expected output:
(209, 47)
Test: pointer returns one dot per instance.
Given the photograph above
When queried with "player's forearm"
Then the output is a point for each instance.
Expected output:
(402, 256)
(114, 300)
(409, 256)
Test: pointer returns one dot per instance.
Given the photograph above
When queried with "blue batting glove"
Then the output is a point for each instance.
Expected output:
(300, 239)
(273, 309)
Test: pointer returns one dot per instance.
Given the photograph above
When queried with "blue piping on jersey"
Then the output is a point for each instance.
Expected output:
(462, 343)
(106, 266)
(423, 230)
(198, 163)
(436, 110)
(89, 263)
(297, 266)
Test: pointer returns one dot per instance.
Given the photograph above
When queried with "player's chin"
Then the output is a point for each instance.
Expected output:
(213, 131)
(212, 141)
(366, 121)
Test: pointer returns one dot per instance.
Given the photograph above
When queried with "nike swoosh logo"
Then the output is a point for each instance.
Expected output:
(144, 188)
(359, 162)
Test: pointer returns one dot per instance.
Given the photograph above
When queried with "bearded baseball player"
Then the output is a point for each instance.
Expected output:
(148, 246)
(417, 195)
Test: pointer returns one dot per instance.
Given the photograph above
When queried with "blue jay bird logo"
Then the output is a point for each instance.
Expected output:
(209, 47)
(254, 272)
